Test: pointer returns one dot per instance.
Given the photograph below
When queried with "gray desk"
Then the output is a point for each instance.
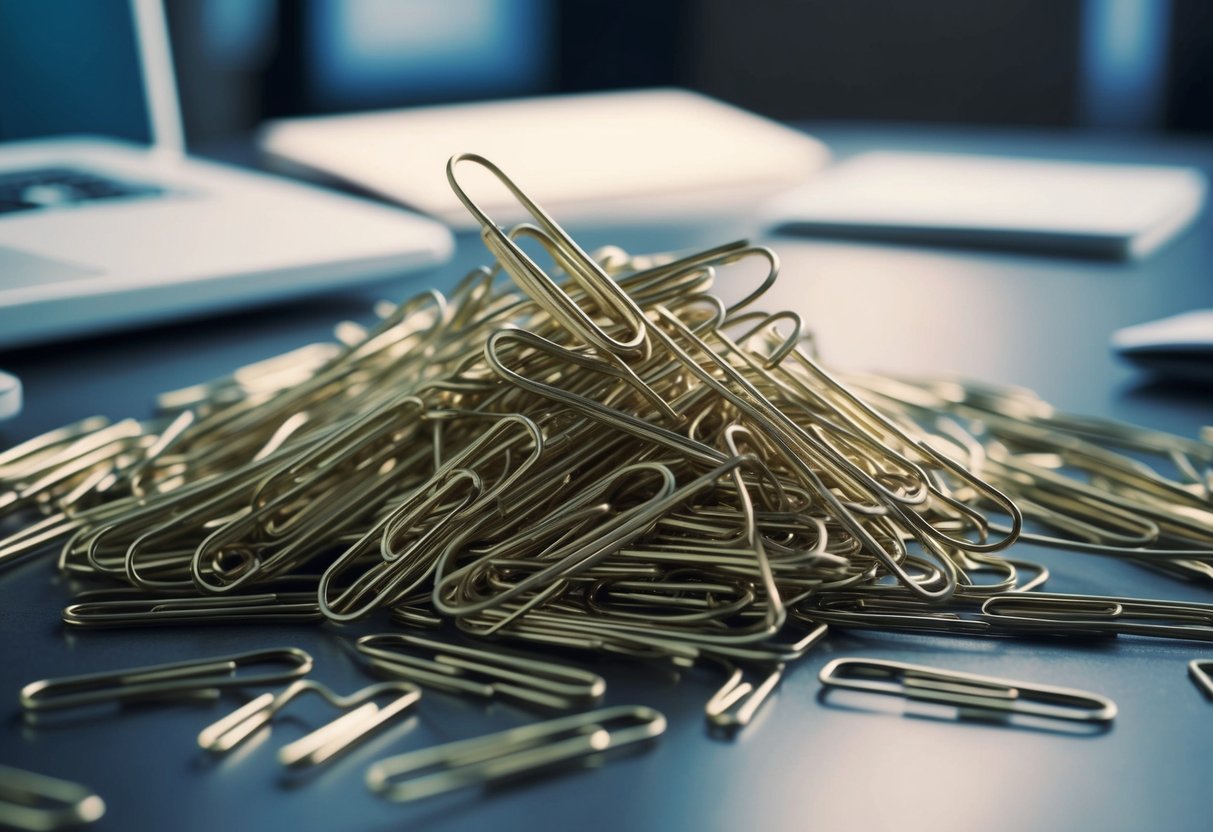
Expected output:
(806, 763)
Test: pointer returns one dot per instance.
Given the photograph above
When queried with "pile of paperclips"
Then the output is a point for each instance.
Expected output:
(599, 453)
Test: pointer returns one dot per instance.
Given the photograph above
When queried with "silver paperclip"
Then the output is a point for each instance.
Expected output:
(736, 702)
(480, 672)
(980, 695)
(112, 608)
(531, 748)
(198, 677)
(325, 742)
(1199, 669)
(40, 803)
(1055, 613)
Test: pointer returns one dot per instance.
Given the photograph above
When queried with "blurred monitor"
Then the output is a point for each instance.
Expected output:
(117, 227)
(47, 47)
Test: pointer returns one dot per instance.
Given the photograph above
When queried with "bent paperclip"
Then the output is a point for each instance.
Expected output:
(37, 802)
(458, 669)
(735, 703)
(325, 742)
(198, 677)
(518, 751)
(983, 695)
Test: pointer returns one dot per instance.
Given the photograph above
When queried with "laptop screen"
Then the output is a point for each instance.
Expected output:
(70, 67)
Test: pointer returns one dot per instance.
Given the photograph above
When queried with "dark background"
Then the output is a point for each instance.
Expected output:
(1141, 65)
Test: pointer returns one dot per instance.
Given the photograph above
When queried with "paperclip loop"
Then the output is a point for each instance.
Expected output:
(198, 677)
(1199, 669)
(328, 740)
(734, 705)
(1056, 613)
(984, 695)
(479, 672)
(37, 802)
(531, 748)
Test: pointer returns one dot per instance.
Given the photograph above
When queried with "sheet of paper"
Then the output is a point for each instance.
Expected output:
(604, 157)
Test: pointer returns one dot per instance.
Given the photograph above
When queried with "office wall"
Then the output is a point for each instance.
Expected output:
(1011, 62)
(1007, 62)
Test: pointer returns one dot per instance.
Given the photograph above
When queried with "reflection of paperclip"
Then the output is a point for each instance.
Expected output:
(198, 677)
(459, 669)
(985, 695)
(1199, 669)
(323, 743)
(37, 802)
(511, 753)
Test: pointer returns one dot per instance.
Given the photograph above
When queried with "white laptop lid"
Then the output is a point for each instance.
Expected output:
(212, 238)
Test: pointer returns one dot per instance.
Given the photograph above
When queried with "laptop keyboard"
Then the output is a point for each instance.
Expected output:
(32, 190)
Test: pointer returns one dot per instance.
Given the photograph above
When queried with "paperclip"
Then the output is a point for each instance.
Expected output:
(197, 677)
(134, 608)
(511, 753)
(481, 672)
(323, 743)
(40, 803)
(972, 694)
(1199, 669)
(734, 705)
(583, 270)
(1068, 615)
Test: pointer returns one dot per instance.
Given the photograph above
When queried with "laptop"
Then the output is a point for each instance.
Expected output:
(104, 221)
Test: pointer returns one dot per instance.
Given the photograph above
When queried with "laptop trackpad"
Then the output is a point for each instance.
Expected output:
(19, 269)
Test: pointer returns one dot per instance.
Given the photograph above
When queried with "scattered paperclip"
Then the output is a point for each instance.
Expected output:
(325, 742)
(480, 672)
(518, 751)
(1199, 670)
(971, 693)
(39, 803)
(735, 703)
(1054, 613)
(127, 607)
(197, 677)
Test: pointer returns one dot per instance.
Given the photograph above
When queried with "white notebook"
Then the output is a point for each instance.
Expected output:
(605, 157)
(1098, 210)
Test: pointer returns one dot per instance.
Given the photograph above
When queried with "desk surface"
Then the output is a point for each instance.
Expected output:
(806, 762)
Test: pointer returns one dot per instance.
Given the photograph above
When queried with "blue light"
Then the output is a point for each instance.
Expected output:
(380, 52)
(1124, 62)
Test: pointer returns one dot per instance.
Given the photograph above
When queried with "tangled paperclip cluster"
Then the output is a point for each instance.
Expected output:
(599, 453)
